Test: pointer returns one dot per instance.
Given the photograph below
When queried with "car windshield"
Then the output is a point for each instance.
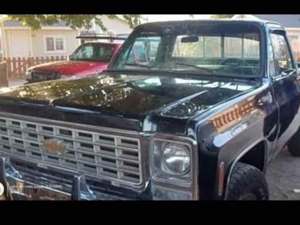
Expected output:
(93, 52)
(221, 49)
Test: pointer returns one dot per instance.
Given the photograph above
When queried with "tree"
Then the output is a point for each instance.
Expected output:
(222, 16)
(35, 21)
(133, 19)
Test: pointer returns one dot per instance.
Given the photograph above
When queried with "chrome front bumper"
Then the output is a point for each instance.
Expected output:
(20, 184)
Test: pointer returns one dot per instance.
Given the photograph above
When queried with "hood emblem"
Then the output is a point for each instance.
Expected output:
(54, 146)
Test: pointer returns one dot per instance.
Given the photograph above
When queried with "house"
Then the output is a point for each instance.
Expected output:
(21, 41)
(292, 24)
(55, 40)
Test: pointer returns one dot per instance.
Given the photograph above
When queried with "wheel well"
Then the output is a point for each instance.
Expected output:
(255, 156)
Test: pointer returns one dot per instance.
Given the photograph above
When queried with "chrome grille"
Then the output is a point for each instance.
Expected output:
(43, 76)
(104, 155)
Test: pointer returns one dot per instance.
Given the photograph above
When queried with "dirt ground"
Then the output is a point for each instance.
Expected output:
(283, 176)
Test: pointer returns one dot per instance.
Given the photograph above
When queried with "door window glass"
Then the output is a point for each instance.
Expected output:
(282, 56)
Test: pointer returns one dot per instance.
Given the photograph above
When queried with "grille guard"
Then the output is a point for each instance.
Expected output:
(80, 189)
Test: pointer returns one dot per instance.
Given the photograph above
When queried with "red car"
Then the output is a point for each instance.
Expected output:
(89, 59)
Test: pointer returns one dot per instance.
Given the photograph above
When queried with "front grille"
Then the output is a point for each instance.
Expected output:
(43, 76)
(111, 156)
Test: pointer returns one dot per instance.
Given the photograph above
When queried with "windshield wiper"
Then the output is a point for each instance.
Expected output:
(203, 70)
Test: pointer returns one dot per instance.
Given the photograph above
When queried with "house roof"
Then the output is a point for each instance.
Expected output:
(15, 23)
(286, 20)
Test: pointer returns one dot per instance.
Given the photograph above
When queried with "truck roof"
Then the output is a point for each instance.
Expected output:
(102, 43)
(258, 22)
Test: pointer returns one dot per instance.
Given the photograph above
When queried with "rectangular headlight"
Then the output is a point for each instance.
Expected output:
(173, 167)
(171, 162)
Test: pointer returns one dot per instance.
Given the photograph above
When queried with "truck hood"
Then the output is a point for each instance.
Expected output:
(133, 95)
(70, 67)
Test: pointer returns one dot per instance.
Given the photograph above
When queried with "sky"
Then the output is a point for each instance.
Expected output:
(166, 17)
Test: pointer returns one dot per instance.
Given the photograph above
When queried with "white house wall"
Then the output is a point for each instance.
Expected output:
(16, 42)
(39, 45)
(23, 42)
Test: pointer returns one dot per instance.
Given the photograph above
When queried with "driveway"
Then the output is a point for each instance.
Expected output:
(283, 176)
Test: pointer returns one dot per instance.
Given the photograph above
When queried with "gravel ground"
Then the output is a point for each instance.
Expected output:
(283, 177)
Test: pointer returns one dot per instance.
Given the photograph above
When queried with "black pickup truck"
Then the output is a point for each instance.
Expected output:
(198, 114)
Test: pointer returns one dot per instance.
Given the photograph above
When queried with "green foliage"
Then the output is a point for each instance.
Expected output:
(35, 21)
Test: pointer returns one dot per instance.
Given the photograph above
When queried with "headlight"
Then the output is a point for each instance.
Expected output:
(176, 159)
(173, 167)
(171, 162)
(28, 74)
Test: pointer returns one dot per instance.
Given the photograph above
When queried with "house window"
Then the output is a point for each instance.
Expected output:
(54, 44)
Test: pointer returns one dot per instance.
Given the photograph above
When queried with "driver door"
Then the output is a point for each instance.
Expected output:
(286, 88)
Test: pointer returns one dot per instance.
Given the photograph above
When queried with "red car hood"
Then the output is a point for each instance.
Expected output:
(71, 67)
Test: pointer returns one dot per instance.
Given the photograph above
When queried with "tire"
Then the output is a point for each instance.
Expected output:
(294, 145)
(247, 183)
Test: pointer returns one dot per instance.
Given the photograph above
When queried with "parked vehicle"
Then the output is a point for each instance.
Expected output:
(88, 59)
(199, 115)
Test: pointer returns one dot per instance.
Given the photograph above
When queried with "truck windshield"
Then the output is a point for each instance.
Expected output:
(93, 52)
(208, 49)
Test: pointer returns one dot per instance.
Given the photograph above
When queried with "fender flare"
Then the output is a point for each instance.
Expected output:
(237, 159)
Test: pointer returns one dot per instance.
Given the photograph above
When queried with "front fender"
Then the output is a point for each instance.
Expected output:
(224, 142)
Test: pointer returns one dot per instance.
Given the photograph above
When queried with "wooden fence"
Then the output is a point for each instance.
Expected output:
(17, 66)
(3, 75)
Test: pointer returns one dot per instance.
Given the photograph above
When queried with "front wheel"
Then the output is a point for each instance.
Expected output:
(247, 183)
